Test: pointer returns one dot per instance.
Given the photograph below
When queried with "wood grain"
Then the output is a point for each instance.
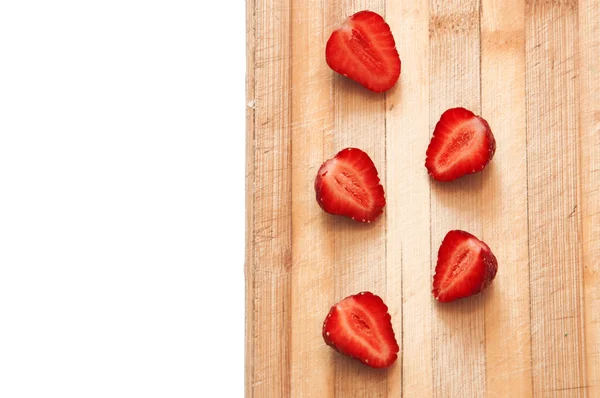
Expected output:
(554, 242)
(408, 209)
(269, 343)
(530, 68)
(454, 81)
(507, 332)
(249, 258)
(312, 240)
(589, 188)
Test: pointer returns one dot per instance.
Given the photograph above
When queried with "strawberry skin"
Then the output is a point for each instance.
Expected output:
(348, 185)
(364, 50)
(465, 267)
(361, 327)
(462, 144)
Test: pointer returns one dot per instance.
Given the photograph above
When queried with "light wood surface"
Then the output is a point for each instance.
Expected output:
(532, 69)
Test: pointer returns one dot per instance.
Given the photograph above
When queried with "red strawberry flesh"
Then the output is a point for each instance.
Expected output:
(360, 326)
(462, 143)
(349, 185)
(465, 266)
(364, 50)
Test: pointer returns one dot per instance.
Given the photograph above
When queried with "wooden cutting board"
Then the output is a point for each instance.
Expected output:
(531, 68)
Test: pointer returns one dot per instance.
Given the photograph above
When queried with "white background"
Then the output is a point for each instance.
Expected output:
(122, 198)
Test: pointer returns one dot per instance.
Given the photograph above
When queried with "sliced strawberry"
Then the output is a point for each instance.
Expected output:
(348, 185)
(364, 50)
(462, 143)
(465, 267)
(359, 326)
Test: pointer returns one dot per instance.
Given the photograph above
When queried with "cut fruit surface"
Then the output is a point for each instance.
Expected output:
(364, 50)
(360, 326)
(462, 143)
(348, 185)
(465, 267)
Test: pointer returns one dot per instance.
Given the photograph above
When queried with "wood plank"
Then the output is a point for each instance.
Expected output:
(249, 258)
(271, 202)
(360, 250)
(555, 264)
(458, 327)
(408, 229)
(507, 315)
(589, 158)
(312, 242)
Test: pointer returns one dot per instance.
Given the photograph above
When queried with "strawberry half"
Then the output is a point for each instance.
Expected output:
(348, 185)
(462, 143)
(364, 50)
(465, 267)
(359, 326)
